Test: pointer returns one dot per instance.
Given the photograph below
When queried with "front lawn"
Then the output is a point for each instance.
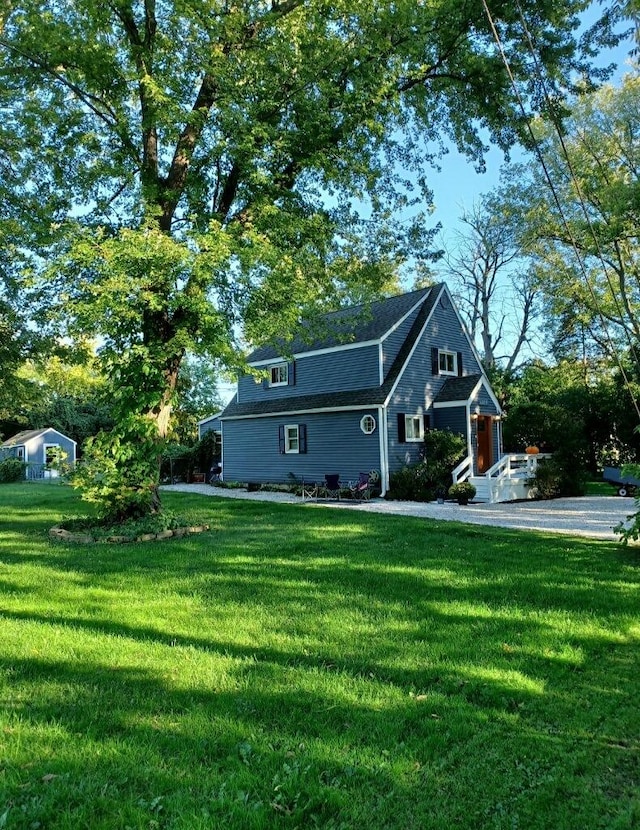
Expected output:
(303, 667)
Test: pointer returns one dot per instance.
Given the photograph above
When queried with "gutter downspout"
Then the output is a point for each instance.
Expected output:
(384, 450)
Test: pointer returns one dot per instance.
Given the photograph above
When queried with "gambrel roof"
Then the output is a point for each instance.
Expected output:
(389, 312)
(356, 324)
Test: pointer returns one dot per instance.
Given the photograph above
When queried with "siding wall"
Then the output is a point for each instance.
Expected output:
(356, 368)
(453, 418)
(213, 424)
(335, 444)
(36, 447)
(418, 386)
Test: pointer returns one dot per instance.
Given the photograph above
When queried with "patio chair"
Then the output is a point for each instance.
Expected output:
(331, 489)
(214, 474)
(361, 490)
(309, 489)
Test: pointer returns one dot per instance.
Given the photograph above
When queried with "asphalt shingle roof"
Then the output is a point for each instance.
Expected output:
(22, 437)
(357, 324)
(457, 389)
(352, 397)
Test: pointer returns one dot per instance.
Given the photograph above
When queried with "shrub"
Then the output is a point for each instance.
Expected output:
(11, 470)
(463, 491)
(442, 450)
(120, 471)
(557, 476)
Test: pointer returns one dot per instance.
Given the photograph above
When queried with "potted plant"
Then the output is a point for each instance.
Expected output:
(463, 491)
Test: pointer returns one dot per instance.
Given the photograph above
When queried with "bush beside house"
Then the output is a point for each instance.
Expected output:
(431, 476)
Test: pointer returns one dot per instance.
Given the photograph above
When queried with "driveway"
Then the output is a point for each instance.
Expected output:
(590, 516)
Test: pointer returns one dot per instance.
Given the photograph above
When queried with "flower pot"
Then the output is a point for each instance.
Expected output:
(462, 500)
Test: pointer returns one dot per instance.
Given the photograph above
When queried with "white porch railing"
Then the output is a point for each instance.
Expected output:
(505, 481)
(463, 470)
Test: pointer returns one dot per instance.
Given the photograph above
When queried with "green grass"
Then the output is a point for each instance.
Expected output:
(599, 488)
(302, 667)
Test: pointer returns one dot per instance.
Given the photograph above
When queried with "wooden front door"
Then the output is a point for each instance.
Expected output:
(485, 443)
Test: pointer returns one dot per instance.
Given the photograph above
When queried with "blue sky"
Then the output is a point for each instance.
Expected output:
(458, 185)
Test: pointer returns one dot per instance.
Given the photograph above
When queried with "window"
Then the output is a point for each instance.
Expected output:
(447, 363)
(279, 375)
(368, 424)
(51, 454)
(413, 427)
(292, 438)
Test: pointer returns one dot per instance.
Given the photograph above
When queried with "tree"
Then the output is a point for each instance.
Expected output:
(585, 242)
(493, 285)
(189, 171)
(197, 396)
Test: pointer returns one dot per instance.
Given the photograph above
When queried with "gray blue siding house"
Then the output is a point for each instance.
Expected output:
(358, 392)
(41, 450)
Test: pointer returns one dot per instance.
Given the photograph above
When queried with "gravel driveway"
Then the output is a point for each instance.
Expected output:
(591, 516)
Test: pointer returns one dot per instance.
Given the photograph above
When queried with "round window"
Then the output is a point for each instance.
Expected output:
(368, 424)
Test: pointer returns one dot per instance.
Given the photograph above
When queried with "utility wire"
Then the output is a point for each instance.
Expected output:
(556, 198)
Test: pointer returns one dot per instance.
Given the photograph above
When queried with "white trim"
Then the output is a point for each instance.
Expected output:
(469, 436)
(281, 413)
(287, 445)
(473, 348)
(420, 419)
(369, 431)
(399, 322)
(445, 372)
(221, 451)
(279, 365)
(211, 417)
(300, 355)
(381, 363)
(384, 449)
(45, 447)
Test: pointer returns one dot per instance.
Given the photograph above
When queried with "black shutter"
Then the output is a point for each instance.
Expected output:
(426, 423)
(435, 362)
(292, 373)
(281, 439)
(402, 429)
(460, 364)
(302, 437)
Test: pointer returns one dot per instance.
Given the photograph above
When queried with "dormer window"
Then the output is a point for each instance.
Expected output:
(279, 374)
(447, 363)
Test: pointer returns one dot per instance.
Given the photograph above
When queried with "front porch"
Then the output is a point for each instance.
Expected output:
(505, 481)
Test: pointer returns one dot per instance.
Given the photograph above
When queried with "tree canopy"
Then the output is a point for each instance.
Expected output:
(585, 241)
(192, 176)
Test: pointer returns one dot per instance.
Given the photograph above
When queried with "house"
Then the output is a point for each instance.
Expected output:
(212, 424)
(41, 450)
(357, 392)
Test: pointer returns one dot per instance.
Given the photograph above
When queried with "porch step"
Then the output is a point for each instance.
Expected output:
(482, 488)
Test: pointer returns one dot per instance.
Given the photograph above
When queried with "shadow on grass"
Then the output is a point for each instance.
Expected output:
(384, 672)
